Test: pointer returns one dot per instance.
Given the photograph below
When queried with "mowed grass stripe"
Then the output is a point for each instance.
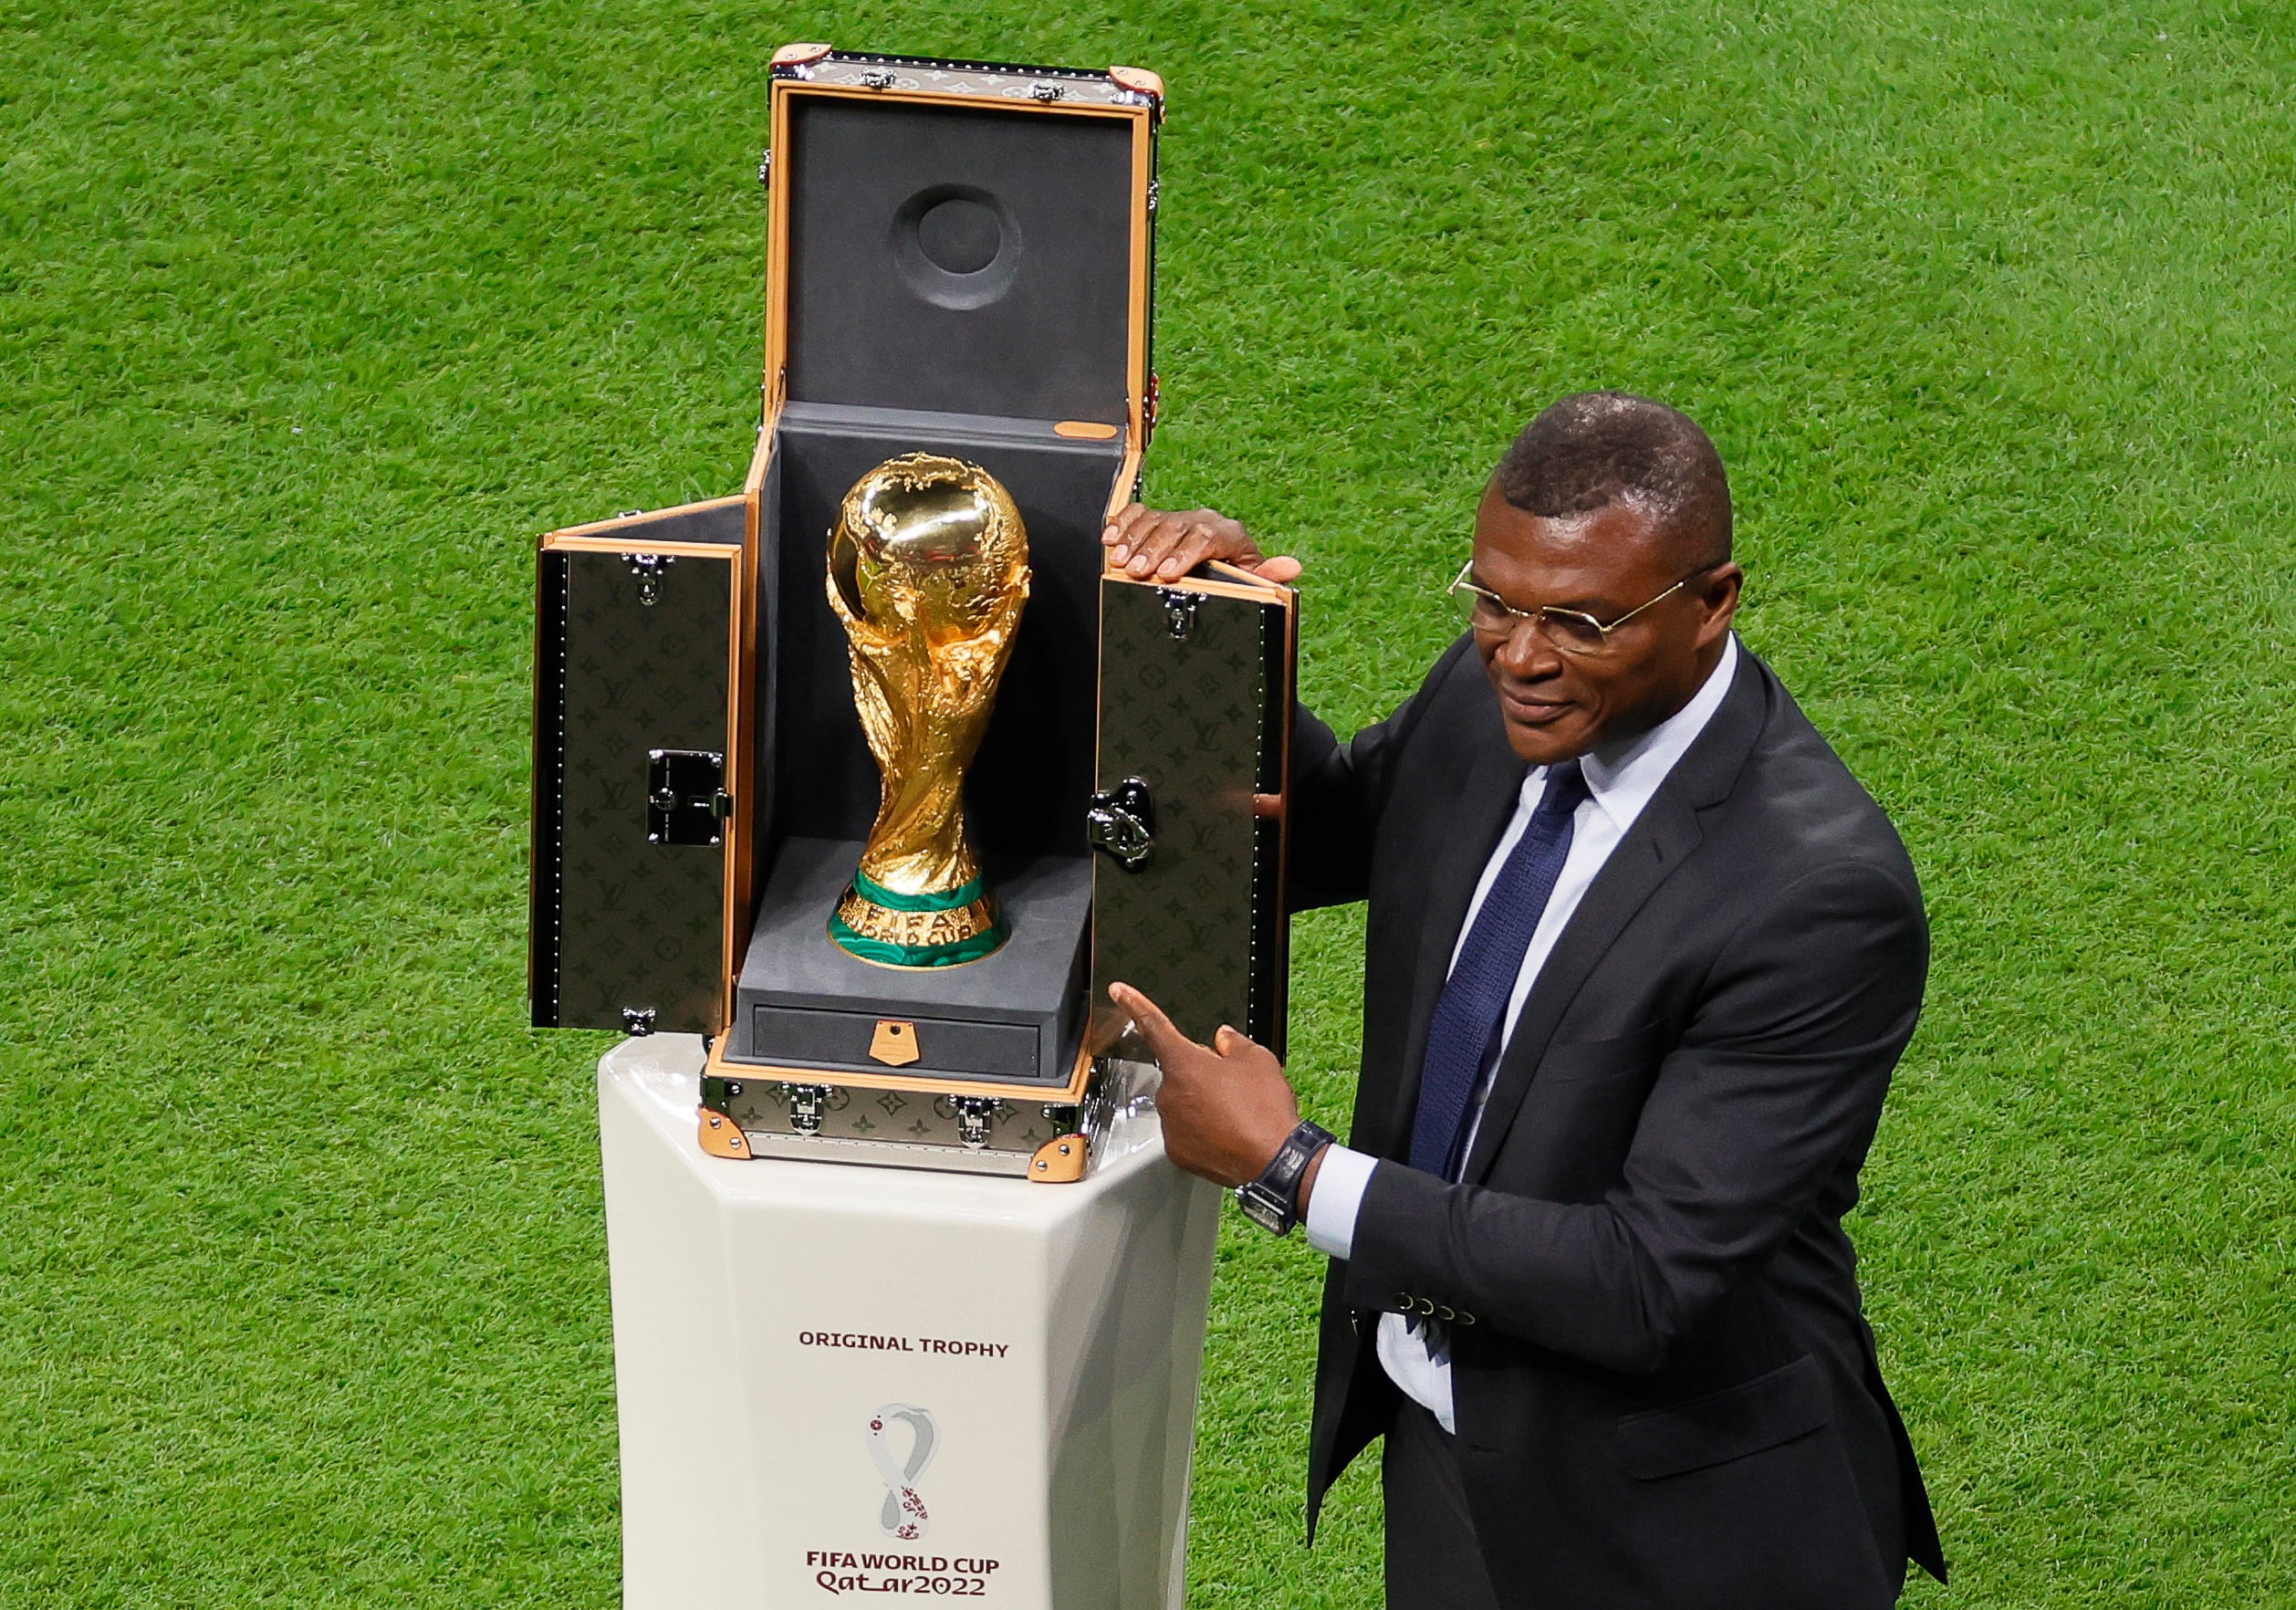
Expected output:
(311, 318)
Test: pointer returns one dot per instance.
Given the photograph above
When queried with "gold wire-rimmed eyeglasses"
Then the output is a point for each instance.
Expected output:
(1574, 631)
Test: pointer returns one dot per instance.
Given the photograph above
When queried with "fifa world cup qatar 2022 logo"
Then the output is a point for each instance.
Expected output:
(903, 1514)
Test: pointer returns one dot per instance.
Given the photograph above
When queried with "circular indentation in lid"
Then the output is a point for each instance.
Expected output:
(959, 234)
(955, 245)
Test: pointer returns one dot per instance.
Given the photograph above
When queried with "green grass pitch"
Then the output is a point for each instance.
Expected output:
(313, 316)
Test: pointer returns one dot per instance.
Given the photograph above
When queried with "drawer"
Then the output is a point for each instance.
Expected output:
(945, 1045)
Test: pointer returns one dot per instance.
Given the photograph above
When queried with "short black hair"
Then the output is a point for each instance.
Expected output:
(1595, 448)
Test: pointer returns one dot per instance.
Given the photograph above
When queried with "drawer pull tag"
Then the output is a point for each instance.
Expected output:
(894, 1043)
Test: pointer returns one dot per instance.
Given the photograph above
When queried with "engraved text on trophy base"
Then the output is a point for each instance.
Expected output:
(916, 929)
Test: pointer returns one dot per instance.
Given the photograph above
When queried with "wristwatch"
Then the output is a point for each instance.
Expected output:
(1272, 1201)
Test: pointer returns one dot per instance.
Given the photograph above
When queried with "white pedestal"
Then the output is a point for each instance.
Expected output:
(1044, 1339)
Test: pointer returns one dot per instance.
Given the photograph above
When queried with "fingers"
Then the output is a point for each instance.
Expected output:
(1123, 522)
(1157, 1030)
(1194, 548)
(1167, 544)
(1165, 1040)
(1159, 545)
(1236, 1048)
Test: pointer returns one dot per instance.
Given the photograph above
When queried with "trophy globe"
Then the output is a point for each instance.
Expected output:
(928, 571)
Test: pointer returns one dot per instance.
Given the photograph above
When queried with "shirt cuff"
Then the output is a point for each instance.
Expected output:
(1338, 1196)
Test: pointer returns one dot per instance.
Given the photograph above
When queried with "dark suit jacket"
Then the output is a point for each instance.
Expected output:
(1667, 1393)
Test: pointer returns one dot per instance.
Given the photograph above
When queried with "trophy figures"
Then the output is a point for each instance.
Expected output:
(928, 569)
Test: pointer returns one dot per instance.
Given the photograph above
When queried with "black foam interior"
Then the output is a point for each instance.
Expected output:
(963, 259)
(1025, 791)
(1033, 981)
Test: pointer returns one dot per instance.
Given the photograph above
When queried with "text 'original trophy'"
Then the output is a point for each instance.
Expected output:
(928, 570)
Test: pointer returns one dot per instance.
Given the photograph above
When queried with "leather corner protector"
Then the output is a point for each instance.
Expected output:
(799, 55)
(894, 1043)
(720, 1135)
(1059, 1161)
(1139, 79)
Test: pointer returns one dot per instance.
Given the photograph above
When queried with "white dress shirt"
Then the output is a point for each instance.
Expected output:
(1620, 782)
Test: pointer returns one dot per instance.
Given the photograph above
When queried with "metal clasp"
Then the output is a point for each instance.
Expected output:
(648, 568)
(807, 1103)
(685, 797)
(974, 1116)
(1122, 824)
(877, 78)
(1179, 610)
(1044, 90)
(637, 1021)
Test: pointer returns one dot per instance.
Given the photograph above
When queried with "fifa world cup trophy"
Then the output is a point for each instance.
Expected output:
(928, 570)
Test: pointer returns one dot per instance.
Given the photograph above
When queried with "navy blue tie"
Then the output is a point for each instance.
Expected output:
(1464, 1038)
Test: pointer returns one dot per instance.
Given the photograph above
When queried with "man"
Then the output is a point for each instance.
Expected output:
(1640, 959)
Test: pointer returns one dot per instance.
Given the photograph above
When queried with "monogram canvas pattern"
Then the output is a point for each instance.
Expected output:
(1188, 715)
(638, 923)
(897, 1116)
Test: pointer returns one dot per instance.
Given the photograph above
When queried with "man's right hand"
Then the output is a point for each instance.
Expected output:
(1167, 545)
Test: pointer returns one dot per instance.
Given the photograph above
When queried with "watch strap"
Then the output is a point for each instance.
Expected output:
(1273, 1199)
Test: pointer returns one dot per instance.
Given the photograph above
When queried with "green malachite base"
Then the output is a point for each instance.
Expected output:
(896, 930)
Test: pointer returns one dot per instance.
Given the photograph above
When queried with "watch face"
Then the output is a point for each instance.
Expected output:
(1262, 1211)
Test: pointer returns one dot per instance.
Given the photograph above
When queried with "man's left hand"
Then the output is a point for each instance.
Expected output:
(1226, 1107)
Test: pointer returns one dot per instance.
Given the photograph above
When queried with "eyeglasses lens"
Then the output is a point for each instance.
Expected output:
(1572, 632)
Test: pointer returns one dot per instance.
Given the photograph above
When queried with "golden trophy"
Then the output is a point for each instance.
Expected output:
(928, 569)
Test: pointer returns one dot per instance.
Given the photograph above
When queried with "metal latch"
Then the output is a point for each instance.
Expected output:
(1044, 89)
(877, 78)
(974, 1116)
(1123, 823)
(637, 1021)
(687, 801)
(648, 568)
(807, 1103)
(1179, 610)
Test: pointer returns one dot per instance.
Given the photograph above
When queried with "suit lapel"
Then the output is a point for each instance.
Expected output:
(1661, 838)
(1489, 791)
